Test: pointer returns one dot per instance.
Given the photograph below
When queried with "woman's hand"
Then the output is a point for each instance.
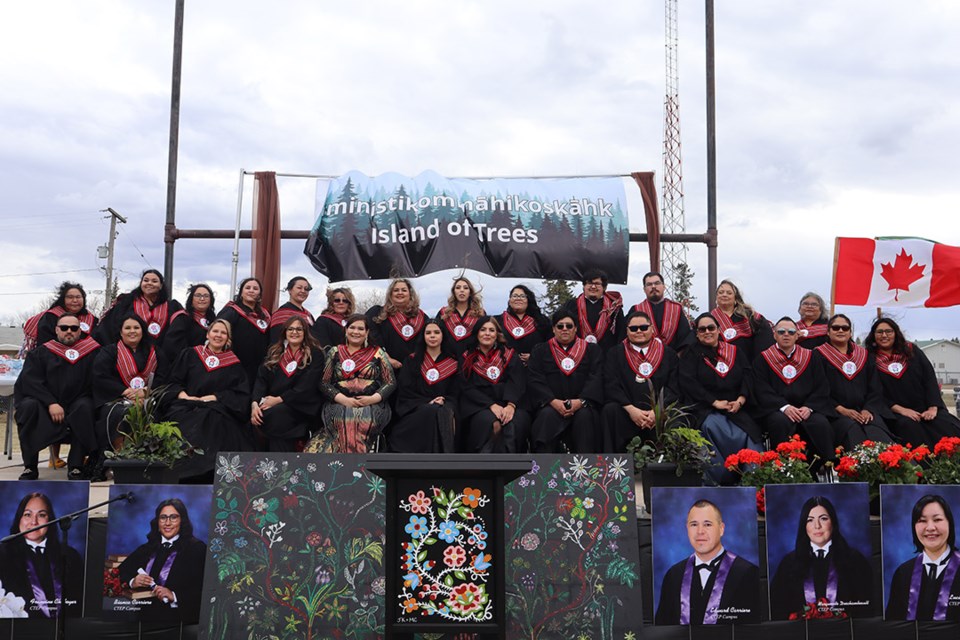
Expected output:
(164, 594)
(508, 412)
(256, 414)
(142, 581)
(906, 413)
(270, 401)
(929, 414)
(396, 364)
(438, 400)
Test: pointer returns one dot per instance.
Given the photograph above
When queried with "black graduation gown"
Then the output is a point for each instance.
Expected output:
(854, 583)
(184, 578)
(328, 332)
(222, 425)
(701, 385)
(525, 344)
(752, 345)
(298, 414)
(422, 427)
(684, 335)
(250, 342)
(110, 387)
(810, 342)
(477, 394)
(917, 389)
(47, 326)
(48, 379)
(185, 332)
(276, 323)
(546, 381)
(15, 576)
(386, 336)
(451, 344)
(615, 333)
(740, 592)
(898, 602)
(863, 392)
(109, 328)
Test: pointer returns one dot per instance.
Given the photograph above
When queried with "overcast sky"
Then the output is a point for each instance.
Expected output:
(832, 119)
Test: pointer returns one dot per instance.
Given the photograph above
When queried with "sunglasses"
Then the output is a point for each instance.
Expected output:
(839, 327)
(788, 332)
(638, 327)
(68, 327)
(564, 326)
(707, 329)
(340, 301)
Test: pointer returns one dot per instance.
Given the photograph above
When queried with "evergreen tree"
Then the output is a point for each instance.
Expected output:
(559, 292)
(682, 283)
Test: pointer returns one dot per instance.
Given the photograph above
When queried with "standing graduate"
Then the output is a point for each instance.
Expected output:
(599, 312)
(524, 325)
(188, 327)
(149, 301)
(670, 322)
(739, 323)
(328, 329)
(250, 326)
(298, 290)
(464, 308)
(399, 322)
(812, 324)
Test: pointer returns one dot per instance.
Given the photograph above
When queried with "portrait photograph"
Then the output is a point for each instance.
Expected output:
(155, 552)
(38, 572)
(705, 555)
(921, 563)
(818, 551)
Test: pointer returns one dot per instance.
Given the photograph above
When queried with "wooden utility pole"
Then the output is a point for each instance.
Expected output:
(114, 216)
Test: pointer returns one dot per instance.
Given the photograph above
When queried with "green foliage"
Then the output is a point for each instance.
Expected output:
(682, 285)
(559, 292)
(147, 440)
(672, 441)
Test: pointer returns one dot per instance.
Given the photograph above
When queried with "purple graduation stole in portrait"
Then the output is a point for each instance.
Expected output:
(43, 601)
(940, 611)
(160, 577)
(713, 603)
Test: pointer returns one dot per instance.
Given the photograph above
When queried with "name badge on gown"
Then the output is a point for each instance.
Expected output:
(291, 366)
(85, 327)
(722, 367)
(789, 372)
(592, 339)
(895, 368)
(517, 332)
(204, 323)
(849, 368)
(72, 354)
(433, 375)
(460, 331)
(153, 328)
(729, 334)
(567, 364)
(646, 369)
(262, 324)
(343, 322)
(348, 365)
(212, 362)
(136, 382)
(493, 372)
(407, 331)
(804, 333)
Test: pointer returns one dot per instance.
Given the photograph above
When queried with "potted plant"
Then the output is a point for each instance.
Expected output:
(147, 449)
(944, 465)
(676, 456)
(878, 463)
(787, 464)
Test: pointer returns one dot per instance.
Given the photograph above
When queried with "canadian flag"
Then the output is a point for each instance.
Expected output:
(890, 272)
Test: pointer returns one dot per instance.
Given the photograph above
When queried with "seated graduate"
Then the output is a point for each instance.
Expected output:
(492, 386)
(53, 399)
(854, 385)
(698, 589)
(31, 565)
(821, 567)
(330, 324)
(427, 398)
(212, 401)
(524, 325)
(249, 326)
(714, 379)
(599, 312)
(792, 395)
(357, 382)
(286, 403)
(812, 324)
(915, 409)
(398, 323)
(739, 323)
(169, 564)
(565, 389)
(125, 371)
(298, 290)
(149, 301)
(188, 327)
(670, 321)
(634, 372)
(927, 587)
(464, 308)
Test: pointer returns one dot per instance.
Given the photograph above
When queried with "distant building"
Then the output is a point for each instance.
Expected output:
(944, 355)
(10, 340)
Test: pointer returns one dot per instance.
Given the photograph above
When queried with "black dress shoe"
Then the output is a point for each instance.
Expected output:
(29, 474)
(75, 474)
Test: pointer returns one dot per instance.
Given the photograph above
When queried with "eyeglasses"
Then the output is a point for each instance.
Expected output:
(658, 283)
(884, 332)
(839, 327)
(809, 304)
(564, 326)
(788, 332)
(707, 329)
(518, 296)
(295, 329)
(68, 327)
(168, 517)
(638, 327)
(593, 284)
(201, 296)
(340, 301)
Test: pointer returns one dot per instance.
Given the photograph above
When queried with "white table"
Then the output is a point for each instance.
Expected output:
(6, 390)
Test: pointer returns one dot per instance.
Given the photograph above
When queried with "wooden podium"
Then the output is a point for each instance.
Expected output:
(444, 551)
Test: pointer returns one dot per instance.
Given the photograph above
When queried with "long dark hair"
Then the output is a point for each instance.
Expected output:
(211, 313)
(697, 348)
(257, 308)
(533, 307)
(918, 512)
(161, 295)
(900, 344)
(186, 527)
(839, 548)
(421, 347)
(146, 340)
(53, 540)
(62, 295)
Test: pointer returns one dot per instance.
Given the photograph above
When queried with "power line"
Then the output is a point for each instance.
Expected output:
(130, 240)
(43, 273)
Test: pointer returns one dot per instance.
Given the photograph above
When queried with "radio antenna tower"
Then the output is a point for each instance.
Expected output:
(673, 254)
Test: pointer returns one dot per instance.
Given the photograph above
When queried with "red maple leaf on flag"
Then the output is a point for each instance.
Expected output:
(902, 273)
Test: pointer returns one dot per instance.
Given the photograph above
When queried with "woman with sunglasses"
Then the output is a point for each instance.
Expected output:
(854, 385)
(285, 401)
(524, 325)
(298, 290)
(464, 308)
(188, 327)
(149, 301)
(739, 323)
(714, 379)
(812, 324)
(634, 371)
(915, 409)
(328, 329)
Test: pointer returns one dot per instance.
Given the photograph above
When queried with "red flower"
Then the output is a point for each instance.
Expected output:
(732, 462)
(768, 456)
(291, 502)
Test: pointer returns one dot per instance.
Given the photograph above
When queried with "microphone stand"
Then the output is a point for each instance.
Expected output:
(65, 523)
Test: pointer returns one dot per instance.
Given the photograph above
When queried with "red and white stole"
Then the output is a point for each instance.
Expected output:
(806, 331)
(726, 356)
(352, 364)
(433, 372)
(212, 361)
(568, 360)
(156, 318)
(290, 361)
(787, 369)
(459, 327)
(611, 302)
(87, 320)
(127, 366)
(336, 317)
(730, 330)
(199, 317)
(284, 313)
(518, 328)
(672, 312)
(644, 366)
(406, 327)
(894, 364)
(74, 353)
(849, 365)
(261, 323)
(491, 366)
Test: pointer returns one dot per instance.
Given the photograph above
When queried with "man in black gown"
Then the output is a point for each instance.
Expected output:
(599, 312)
(670, 322)
(53, 398)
